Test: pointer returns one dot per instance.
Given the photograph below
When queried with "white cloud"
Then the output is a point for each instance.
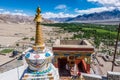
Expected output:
(1, 9)
(115, 3)
(107, 5)
(61, 6)
(16, 10)
(93, 10)
(5, 12)
(13, 13)
(57, 15)
(18, 13)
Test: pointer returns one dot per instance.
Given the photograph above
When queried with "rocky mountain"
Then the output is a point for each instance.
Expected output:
(106, 15)
(7, 18)
(47, 21)
(60, 19)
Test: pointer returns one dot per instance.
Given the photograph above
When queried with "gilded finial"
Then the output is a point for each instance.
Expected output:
(38, 17)
(38, 10)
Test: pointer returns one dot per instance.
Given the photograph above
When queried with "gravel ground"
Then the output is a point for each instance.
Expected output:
(14, 64)
(107, 66)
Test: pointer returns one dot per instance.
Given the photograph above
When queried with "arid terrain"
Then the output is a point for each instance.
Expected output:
(10, 33)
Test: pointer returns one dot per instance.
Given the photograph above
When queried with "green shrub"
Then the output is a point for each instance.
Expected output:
(32, 39)
(6, 50)
(24, 38)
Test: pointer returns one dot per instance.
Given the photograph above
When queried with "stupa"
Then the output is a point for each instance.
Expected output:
(39, 57)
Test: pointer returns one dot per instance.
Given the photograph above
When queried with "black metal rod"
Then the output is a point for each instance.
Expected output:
(115, 48)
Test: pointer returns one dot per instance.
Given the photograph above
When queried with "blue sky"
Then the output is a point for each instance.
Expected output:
(57, 8)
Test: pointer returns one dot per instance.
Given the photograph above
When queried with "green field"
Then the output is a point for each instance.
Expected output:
(4, 51)
(100, 33)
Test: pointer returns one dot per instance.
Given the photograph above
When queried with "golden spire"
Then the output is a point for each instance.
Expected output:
(38, 17)
(39, 42)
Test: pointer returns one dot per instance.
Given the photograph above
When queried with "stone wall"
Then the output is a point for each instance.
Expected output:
(113, 75)
(110, 76)
(91, 77)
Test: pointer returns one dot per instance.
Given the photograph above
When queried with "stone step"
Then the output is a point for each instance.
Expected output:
(26, 74)
(35, 76)
(41, 77)
(65, 78)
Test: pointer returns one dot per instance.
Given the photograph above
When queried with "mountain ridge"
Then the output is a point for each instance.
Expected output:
(20, 19)
(106, 15)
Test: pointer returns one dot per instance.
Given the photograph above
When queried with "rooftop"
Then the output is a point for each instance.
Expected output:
(72, 44)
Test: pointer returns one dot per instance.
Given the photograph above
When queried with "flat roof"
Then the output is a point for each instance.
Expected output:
(72, 45)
